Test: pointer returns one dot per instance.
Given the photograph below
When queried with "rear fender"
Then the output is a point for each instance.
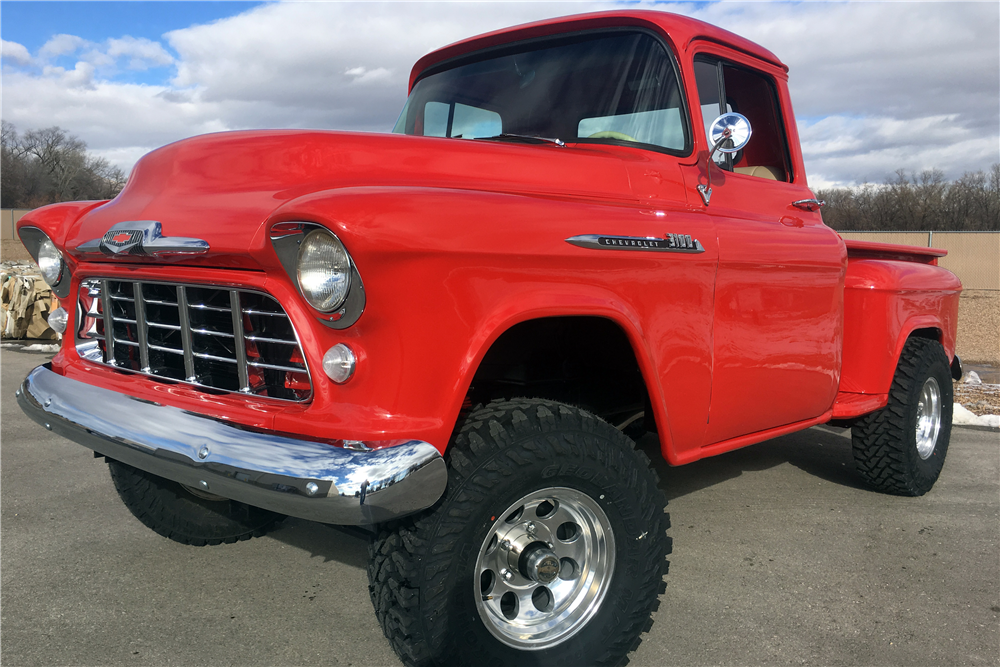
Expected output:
(885, 302)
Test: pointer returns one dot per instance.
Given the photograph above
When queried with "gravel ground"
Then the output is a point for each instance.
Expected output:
(982, 399)
(781, 559)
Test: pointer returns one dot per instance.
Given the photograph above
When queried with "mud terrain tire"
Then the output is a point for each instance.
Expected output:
(174, 512)
(430, 576)
(898, 449)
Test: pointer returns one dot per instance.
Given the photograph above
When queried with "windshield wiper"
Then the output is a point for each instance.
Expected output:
(525, 138)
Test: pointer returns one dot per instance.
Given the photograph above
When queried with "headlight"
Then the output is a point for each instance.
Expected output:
(323, 270)
(50, 262)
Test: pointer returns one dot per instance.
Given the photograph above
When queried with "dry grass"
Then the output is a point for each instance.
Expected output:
(13, 250)
(979, 327)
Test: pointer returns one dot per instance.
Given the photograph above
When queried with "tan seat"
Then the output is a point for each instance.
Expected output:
(770, 173)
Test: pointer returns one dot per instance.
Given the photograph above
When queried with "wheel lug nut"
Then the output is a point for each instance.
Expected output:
(505, 545)
(530, 527)
(506, 574)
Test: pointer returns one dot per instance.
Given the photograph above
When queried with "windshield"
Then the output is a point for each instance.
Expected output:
(606, 88)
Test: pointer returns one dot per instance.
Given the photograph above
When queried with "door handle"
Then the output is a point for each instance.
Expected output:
(809, 204)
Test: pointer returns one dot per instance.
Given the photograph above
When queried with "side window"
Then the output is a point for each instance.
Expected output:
(460, 120)
(706, 76)
(724, 87)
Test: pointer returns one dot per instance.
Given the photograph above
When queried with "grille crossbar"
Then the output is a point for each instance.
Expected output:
(217, 338)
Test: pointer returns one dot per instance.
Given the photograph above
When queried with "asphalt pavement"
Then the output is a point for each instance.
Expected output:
(781, 557)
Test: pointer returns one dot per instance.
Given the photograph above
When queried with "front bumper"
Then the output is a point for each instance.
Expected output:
(300, 478)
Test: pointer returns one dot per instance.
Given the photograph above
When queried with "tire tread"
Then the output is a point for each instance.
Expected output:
(482, 456)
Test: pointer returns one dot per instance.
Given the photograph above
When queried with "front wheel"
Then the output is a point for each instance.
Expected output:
(548, 547)
(187, 515)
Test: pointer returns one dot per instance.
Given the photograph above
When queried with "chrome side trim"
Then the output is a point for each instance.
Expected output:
(300, 478)
(669, 243)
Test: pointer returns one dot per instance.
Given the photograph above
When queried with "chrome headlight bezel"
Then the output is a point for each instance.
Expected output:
(286, 240)
(323, 270)
(50, 262)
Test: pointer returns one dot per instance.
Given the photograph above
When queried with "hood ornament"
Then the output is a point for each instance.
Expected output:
(143, 238)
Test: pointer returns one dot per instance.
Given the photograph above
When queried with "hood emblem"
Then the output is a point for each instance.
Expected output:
(143, 238)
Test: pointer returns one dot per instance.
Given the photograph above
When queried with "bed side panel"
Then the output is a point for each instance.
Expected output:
(884, 302)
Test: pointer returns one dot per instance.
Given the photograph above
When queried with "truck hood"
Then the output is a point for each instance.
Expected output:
(222, 188)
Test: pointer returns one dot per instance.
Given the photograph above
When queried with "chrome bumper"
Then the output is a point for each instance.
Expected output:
(300, 478)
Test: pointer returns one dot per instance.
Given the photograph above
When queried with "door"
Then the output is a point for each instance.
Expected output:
(779, 290)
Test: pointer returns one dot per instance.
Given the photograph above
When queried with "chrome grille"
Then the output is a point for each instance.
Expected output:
(223, 339)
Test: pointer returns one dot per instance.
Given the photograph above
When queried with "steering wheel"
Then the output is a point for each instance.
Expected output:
(620, 136)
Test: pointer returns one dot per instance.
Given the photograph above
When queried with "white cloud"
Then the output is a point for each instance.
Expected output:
(363, 75)
(840, 150)
(110, 117)
(142, 53)
(876, 86)
(14, 52)
(81, 76)
(61, 45)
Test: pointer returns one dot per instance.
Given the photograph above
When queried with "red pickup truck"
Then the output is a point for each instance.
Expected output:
(580, 231)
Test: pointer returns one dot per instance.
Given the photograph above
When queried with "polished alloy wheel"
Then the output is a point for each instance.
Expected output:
(544, 568)
(928, 417)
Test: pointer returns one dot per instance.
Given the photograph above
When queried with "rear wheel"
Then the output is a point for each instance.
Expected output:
(901, 448)
(548, 546)
(187, 515)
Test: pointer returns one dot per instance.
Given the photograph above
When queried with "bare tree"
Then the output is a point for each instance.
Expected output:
(918, 202)
(48, 165)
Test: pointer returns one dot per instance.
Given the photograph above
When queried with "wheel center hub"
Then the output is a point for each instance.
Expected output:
(541, 564)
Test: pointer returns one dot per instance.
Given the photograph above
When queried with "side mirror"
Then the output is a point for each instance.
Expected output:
(729, 133)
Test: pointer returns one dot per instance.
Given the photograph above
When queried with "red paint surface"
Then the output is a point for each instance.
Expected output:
(768, 331)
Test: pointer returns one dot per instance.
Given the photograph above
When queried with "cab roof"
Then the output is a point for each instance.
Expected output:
(680, 30)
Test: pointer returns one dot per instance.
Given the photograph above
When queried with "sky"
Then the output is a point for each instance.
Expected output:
(876, 86)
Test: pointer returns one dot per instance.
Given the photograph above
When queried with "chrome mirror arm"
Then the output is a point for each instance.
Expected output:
(731, 128)
(706, 190)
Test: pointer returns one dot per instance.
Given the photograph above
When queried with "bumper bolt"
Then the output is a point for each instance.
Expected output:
(203, 484)
(312, 488)
(203, 452)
